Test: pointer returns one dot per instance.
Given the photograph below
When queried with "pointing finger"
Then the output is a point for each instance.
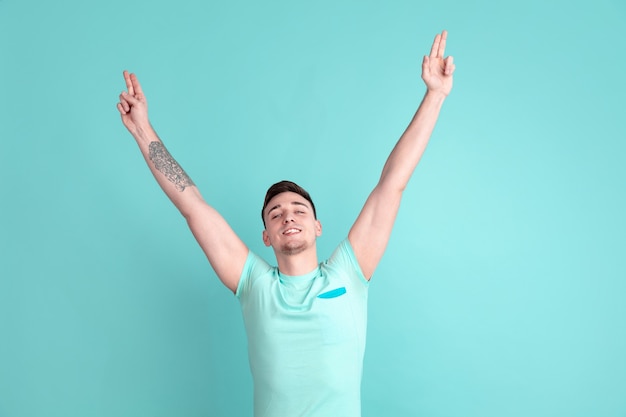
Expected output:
(129, 84)
(435, 48)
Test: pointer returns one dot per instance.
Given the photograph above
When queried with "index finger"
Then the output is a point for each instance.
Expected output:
(434, 50)
(129, 84)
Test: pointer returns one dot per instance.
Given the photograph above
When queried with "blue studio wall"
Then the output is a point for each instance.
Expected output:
(503, 289)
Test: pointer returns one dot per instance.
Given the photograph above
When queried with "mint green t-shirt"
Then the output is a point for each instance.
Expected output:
(306, 336)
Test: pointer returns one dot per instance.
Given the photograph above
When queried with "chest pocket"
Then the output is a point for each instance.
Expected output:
(333, 293)
(335, 316)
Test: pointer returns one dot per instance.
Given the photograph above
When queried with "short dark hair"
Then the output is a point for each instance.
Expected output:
(283, 187)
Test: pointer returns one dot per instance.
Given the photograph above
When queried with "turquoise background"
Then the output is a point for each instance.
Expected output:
(503, 290)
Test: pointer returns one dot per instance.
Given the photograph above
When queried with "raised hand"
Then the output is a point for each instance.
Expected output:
(437, 70)
(133, 106)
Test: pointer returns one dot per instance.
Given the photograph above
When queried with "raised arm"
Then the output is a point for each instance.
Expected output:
(370, 233)
(225, 251)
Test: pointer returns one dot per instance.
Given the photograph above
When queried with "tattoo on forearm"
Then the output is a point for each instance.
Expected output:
(165, 164)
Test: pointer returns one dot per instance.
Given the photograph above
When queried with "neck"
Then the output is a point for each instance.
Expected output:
(297, 264)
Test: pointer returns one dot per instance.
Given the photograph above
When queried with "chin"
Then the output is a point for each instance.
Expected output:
(293, 248)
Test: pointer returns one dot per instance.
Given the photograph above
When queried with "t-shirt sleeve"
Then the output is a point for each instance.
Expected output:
(344, 258)
(254, 267)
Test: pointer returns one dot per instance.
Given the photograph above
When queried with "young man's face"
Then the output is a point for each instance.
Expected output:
(290, 225)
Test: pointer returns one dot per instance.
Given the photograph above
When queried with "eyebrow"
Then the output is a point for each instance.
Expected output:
(295, 203)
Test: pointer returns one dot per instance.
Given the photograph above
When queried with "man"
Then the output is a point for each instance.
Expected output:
(305, 320)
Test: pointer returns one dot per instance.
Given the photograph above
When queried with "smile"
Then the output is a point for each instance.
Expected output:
(291, 231)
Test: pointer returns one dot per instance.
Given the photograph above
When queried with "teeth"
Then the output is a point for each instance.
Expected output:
(290, 231)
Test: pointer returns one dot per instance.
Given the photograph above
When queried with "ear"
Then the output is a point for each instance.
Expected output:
(318, 228)
(266, 238)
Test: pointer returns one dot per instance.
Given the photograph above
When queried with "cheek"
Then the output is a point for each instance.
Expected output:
(273, 232)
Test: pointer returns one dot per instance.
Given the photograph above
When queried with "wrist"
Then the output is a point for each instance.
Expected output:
(144, 133)
(437, 95)
(435, 98)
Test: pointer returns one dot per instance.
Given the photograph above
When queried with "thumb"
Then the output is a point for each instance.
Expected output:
(426, 66)
(132, 100)
(449, 65)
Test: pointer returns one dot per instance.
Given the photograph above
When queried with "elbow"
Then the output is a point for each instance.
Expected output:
(198, 211)
(390, 185)
(388, 193)
(187, 215)
(188, 211)
(190, 206)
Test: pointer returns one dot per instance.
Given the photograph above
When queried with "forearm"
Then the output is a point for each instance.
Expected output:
(170, 176)
(371, 230)
(412, 144)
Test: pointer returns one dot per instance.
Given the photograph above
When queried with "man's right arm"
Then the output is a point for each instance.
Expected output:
(223, 248)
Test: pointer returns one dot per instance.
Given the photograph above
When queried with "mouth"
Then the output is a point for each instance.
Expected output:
(291, 231)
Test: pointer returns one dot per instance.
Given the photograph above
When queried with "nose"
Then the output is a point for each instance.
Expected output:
(288, 218)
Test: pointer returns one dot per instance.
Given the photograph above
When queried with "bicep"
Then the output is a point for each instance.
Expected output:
(224, 249)
(371, 231)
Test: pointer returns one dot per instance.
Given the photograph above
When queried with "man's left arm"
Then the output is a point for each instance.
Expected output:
(370, 233)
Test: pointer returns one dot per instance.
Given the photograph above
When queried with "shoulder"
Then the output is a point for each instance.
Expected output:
(254, 269)
(343, 259)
